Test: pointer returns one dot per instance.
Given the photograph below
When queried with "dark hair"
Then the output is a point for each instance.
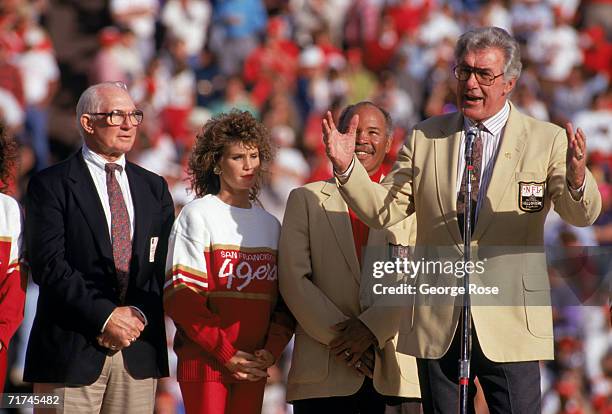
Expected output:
(345, 117)
(219, 132)
(8, 155)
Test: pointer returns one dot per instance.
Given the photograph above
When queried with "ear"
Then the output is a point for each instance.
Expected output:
(509, 86)
(388, 144)
(87, 123)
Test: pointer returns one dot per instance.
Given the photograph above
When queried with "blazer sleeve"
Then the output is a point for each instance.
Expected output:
(186, 287)
(312, 309)
(13, 281)
(45, 245)
(385, 204)
(581, 212)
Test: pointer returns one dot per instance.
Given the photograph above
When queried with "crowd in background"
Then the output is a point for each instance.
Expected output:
(288, 62)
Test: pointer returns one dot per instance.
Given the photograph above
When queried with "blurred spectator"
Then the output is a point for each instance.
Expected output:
(596, 122)
(360, 81)
(236, 96)
(575, 94)
(380, 50)
(139, 16)
(407, 15)
(495, 13)
(275, 58)
(10, 76)
(529, 17)
(40, 75)
(527, 101)
(599, 12)
(106, 65)
(128, 57)
(555, 50)
(210, 82)
(188, 20)
(395, 101)
(236, 27)
(597, 51)
(361, 23)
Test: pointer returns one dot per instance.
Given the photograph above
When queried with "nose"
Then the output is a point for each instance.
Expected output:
(248, 163)
(360, 137)
(471, 82)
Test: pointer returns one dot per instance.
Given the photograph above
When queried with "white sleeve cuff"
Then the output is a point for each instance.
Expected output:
(577, 193)
(344, 176)
(144, 317)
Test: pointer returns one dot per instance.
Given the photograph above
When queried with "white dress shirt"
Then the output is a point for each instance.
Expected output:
(95, 164)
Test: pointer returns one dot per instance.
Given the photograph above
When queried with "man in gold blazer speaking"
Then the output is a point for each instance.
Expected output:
(344, 358)
(523, 167)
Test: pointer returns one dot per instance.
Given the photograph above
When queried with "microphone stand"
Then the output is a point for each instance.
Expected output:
(466, 317)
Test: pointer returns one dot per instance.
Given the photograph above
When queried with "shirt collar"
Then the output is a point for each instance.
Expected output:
(99, 161)
(493, 125)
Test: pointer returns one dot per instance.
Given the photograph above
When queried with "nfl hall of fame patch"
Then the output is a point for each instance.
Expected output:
(531, 196)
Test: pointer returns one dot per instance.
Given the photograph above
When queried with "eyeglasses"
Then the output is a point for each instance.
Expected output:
(116, 117)
(483, 76)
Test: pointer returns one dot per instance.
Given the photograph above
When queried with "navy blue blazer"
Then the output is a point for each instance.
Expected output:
(71, 258)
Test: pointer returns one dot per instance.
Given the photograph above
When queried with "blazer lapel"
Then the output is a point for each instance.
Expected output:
(446, 150)
(142, 215)
(510, 150)
(85, 192)
(338, 217)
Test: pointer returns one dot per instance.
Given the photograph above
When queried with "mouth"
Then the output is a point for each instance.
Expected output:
(362, 152)
(248, 176)
(472, 99)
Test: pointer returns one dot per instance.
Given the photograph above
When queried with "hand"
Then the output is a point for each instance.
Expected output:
(365, 365)
(352, 341)
(265, 358)
(123, 328)
(576, 156)
(244, 366)
(340, 148)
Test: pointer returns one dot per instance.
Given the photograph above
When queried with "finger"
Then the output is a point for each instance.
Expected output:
(326, 131)
(569, 129)
(581, 139)
(330, 121)
(340, 326)
(354, 358)
(353, 125)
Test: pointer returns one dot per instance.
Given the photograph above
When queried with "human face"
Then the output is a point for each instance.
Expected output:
(239, 167)
(371, 141)
(480, 102)
(110, 141)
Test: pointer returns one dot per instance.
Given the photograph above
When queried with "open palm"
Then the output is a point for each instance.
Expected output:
(339, 147)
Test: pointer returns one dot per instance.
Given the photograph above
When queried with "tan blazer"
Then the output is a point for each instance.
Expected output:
(508, 232)
(319, 279)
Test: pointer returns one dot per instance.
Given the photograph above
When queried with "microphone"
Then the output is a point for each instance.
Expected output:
(470, 137)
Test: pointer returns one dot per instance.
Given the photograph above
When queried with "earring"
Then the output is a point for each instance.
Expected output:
(217, 170)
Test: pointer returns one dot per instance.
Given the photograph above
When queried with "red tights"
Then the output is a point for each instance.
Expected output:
(219, 398)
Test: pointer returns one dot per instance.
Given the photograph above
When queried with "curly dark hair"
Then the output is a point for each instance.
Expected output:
(219, 132)
(8, 155)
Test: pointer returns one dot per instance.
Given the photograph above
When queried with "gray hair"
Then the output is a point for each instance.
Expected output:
(492, 37)
(90, 102)
(345, 117)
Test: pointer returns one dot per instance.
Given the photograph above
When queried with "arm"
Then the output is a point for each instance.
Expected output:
(186, 287)
(13, 282)
(45, 240)
(377, 205)
(312, 309)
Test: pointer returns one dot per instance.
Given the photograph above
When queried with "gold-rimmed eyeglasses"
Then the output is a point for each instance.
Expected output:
(483, 76)
(116, 117)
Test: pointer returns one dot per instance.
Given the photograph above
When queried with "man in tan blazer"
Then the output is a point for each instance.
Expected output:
(344, 358)
(525, 167)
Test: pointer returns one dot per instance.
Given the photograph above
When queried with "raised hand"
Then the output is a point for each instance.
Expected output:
(576, 156)
(265, 358)
(339, 147)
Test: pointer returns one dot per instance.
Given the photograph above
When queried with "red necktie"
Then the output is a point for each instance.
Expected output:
(477, 164)
(120, 229)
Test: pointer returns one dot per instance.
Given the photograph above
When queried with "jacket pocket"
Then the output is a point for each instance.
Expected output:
(536, 293)
(309, 361)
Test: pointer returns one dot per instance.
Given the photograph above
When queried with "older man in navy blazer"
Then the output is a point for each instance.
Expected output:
(97, 229)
